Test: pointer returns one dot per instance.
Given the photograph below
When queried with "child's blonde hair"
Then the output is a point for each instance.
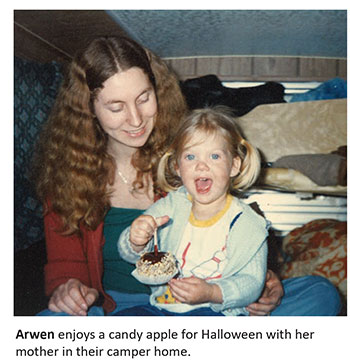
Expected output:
(210, 121)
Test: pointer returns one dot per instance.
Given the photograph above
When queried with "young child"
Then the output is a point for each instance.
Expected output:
(219, 242)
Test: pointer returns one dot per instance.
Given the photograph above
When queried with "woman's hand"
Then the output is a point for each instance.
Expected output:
(143, 228)
(73, 297)
(194, 290)
(270, 298)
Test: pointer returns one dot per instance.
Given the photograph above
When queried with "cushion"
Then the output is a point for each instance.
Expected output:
(318, 248)
(308, 127)
(35, 89)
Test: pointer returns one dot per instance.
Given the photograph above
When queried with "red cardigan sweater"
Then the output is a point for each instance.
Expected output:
(74, 257)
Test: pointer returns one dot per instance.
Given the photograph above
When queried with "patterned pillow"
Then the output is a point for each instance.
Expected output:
(318, 248)
(35, 89)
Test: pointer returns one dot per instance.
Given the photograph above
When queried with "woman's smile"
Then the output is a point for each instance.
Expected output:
(136, 133)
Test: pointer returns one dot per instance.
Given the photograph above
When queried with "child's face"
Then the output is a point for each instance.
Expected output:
(206, 166)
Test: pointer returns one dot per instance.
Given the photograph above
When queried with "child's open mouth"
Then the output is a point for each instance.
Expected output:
(203, 185)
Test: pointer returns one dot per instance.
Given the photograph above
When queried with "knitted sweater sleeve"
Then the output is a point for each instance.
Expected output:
(163, 206)
(125, 249)
(65, 256)
(244, 278)
(245, 287)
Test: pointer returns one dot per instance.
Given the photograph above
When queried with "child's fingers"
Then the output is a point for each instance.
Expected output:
(161, 220)
(179, 294)
(138, 239)
(180, 286)
(143, 228)
(149, 224)
(144, 225)
(179, 298)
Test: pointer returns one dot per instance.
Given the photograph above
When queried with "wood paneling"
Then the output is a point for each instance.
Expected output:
(261, 68)
(342, 69)
(317, 67)
(186, 65)
(240, 67)
(277, 67)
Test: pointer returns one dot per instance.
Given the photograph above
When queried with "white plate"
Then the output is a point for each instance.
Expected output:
(153, 281)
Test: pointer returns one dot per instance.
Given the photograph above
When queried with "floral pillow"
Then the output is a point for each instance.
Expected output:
(318, 248)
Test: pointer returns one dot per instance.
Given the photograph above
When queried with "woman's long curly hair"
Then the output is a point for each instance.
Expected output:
(72, 168)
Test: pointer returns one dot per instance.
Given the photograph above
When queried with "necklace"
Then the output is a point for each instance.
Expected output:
(131, 189)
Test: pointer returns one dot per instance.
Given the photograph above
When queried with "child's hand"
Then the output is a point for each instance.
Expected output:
(270, 298)
(142, 230)
(195, 290)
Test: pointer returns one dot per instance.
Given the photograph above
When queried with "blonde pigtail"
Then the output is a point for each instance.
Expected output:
(250, 168)
(167, 179)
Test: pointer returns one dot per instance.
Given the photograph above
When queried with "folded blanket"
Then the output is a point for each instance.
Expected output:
(286, 179)
(323, 169)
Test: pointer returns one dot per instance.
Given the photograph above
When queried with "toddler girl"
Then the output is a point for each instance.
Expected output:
(219, 242)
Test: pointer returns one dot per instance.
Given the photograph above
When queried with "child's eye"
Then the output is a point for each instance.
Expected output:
(215, 156)
(189, 157)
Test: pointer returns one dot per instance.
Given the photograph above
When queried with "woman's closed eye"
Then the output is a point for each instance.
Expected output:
(116, 108)
(143, 98)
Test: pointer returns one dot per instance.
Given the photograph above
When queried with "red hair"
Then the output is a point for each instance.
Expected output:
(72, 166)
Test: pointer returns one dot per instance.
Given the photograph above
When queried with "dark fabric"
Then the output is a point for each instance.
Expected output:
(208, 91)
(274, 256)
(29, 294)
(35, 88)
(117, 272)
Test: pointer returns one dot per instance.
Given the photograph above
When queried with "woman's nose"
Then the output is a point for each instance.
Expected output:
(134, 116)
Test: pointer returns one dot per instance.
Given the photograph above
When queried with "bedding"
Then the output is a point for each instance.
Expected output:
(292, 129)
(306, 127)
(318, 248)
(291, 180)
(209, 91)
(323, 169)
(288, 135)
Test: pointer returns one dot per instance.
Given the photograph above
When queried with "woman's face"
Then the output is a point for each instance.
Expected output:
(126, 108)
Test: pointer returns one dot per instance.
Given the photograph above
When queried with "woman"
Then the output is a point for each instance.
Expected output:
(115, 114)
